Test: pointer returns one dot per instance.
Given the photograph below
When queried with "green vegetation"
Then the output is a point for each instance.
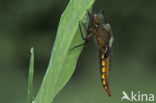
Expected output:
(63, 59)
(30, 79)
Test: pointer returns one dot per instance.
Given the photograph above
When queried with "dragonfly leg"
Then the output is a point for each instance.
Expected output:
(89, 14)
(81, 31)
(89, 32)
(84, 38)
(88, 35)
(80, 44)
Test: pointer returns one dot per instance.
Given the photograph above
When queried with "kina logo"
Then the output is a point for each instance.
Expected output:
(137, 97)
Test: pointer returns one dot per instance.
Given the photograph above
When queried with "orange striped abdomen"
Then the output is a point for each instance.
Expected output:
(104, 68)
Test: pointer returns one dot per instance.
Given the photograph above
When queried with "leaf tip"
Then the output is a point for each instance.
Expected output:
(32, 50)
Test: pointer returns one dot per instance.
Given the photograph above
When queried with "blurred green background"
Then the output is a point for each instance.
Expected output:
(28, 23)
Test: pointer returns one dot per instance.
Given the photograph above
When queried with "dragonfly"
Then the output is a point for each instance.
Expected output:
(101, 29)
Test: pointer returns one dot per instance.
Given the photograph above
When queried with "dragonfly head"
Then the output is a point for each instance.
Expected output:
(98, 18)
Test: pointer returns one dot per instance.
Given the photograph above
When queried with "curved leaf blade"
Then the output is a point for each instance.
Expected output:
(63, 60)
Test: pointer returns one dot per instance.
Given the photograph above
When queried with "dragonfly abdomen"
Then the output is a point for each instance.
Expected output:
(104, 69)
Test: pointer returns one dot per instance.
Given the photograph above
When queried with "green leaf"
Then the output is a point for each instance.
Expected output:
(30, 77)
(63, 60)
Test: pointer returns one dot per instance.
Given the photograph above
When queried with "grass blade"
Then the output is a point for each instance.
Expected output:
(30, 77)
